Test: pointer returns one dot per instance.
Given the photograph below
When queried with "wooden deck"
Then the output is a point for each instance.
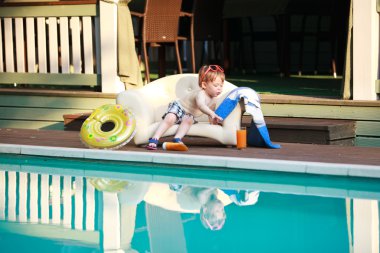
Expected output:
(198, 146)
(281, 129)
(44, 109)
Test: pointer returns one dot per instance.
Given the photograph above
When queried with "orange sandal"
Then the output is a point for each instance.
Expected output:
(175, 146)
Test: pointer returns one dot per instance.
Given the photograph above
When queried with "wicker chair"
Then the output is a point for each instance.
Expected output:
(188, 15)
(159, 27)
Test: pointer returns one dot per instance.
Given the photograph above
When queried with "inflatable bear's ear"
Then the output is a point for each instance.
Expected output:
(259, 137)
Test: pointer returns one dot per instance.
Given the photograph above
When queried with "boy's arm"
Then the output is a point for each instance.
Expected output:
(201, 103)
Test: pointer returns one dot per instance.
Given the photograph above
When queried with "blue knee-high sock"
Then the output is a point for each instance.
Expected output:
(259, 137)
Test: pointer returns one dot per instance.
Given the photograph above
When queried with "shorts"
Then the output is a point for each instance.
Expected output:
(176, 108)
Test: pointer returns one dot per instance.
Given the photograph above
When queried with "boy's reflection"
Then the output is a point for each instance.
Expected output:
(212, 214)
(209, 202)
(243, 197)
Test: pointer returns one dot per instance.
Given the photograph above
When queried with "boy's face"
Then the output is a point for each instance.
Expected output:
(213, 88)
(214, 214)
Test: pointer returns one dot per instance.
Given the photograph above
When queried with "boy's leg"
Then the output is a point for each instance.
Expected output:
(177, 144)
(165, 124)
(187, 122)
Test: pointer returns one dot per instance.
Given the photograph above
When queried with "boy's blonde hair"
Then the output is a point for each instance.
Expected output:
(207, 74)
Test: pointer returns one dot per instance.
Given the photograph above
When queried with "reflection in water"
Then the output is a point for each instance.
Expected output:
(209, 202)
(64, 213)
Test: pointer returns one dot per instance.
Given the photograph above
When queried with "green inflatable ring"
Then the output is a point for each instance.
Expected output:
(123, 122)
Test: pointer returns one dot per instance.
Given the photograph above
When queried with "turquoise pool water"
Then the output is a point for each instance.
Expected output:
(61, 205)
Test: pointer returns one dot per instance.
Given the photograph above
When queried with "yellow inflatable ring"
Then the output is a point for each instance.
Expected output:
(121, 121)
(108, 185)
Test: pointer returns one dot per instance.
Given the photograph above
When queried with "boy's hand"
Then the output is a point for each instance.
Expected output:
(216, 120)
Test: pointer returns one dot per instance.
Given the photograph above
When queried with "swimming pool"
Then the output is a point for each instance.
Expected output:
(72, 205)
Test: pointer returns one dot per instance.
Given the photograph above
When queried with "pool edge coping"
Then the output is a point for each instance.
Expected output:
(274, 165)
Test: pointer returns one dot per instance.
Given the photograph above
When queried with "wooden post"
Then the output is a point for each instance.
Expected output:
(2, 195)
(12, 195)
(67, 207)
(111, 222)
(365, 49)
(366, 226)
(33, 196)
(23, 195)
(108, 48)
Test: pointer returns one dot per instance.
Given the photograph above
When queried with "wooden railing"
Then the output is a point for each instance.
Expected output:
(47, 199)
(69, 205)
(54, 43)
